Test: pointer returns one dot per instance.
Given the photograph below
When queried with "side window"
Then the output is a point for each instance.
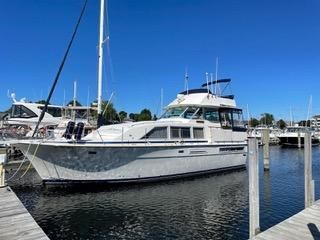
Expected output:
(211, 115)
(198, 133)
(237, 118)
(22, 112)
(180, 132)
(157, 132)
(185, 133)
(226, 118)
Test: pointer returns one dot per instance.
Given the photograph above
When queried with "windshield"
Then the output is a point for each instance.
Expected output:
(173, 112)
(20, 111)
(184, 112)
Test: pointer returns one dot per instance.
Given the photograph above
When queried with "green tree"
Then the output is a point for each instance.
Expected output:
(304, 123)
(154, 117)
(267, 119)
(253, 122)
(281, 124)
(145, 115)
(70, 103)
(109, 113)
(122, 115)
(41, 102)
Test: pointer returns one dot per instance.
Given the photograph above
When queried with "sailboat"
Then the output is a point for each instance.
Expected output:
(200, 132)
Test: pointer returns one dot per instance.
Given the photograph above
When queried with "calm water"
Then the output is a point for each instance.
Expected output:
(211, 207)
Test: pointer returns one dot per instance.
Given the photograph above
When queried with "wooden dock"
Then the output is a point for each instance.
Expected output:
(303, 225)
(16, 223)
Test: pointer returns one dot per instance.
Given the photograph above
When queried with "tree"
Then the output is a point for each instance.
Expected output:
(145, 115)
(305, 123)
(122, 115)
(109, 113)
(154, 117)
(253, 122)
(132, 116)
(267, 119)
(281, 124)
(41, 102)
(70, 103)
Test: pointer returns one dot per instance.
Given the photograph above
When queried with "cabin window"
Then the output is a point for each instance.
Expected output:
(54, 111)
(237, 118)
(20, 111)
(180, 132)
(198, 133)
(211, 115)
(226, 118)
(157, 132)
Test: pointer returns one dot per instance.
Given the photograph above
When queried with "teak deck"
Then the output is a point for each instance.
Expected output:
(15, 221)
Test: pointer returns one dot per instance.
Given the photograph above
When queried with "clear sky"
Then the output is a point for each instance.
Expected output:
(270, 49)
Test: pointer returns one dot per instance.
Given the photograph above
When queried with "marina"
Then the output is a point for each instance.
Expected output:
(214, 206)
(207, 159)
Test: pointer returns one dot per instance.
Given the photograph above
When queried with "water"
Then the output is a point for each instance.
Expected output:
(210, 207)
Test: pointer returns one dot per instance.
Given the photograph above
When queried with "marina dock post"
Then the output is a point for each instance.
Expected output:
(299, 139)
(253, 163)
(266, 150)
(2, 172)
(308, 182)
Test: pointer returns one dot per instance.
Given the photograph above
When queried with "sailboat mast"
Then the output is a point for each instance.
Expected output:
(100, 57)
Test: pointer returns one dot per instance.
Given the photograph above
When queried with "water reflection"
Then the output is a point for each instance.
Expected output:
(211, 207)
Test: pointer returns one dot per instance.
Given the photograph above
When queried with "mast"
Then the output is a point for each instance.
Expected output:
(100, 59)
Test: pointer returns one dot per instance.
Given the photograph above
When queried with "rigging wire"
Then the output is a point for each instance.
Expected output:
(60, 70)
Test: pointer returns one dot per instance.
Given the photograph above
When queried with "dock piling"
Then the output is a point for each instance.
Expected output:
(308, 182)
(253, 163)
(2, 172)
(266, 150)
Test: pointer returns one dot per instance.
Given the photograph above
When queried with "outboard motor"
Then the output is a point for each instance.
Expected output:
(78, 131)
(69, 130)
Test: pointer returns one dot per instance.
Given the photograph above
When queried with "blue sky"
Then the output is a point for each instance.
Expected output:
(270, 49)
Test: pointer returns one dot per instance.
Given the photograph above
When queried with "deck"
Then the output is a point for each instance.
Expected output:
(15, 221)
(303, 225)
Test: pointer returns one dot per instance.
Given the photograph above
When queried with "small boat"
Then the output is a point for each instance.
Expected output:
(294, 137)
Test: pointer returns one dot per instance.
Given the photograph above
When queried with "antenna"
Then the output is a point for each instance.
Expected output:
(249, 119)
(186, 82)
(161, 101)
(309, 111)
(88, 95)
(64, 97)
(211, 81)
(207, 78)
(215, 86)
(291, 120)
(74, 93)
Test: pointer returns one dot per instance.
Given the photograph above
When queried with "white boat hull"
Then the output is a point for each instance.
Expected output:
(130, 163)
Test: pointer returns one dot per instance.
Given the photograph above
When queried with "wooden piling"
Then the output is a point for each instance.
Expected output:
(266, 150)
(2, 171)
(308, 182)
(299, 139)
(253, 163)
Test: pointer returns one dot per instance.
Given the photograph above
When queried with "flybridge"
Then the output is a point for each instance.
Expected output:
(207, 90)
